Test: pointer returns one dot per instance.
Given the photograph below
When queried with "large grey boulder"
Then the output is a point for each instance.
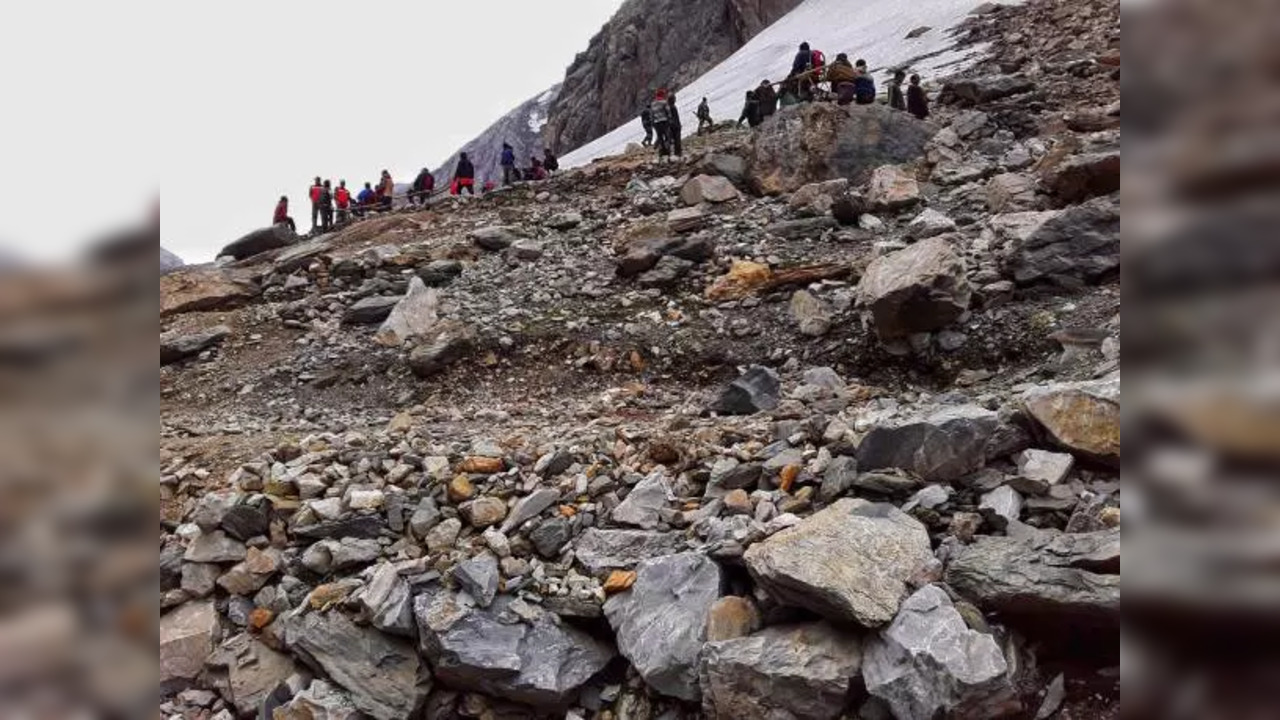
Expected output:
(944, 445)
(246, 671)
(599, 551)
(260, 241)
(920, 288)
(386, 601)
(849, 562)
(1083, 417)
(494, 238)
(187, 637)
(796, 672)
(175, 346)
(370, 310)
(1077, 246)
(822, 141)
(537, 659)
(530, 507)
(382, 674)
(452, 342)
(318, 701)
(661, 621)
(928, 663)
(972, 91)
(708, 188)
(644, 504)
(415, 315)
(1081, 177)
(479, 578)
(169, 262)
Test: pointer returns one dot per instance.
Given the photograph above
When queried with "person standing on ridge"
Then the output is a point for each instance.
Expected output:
(917, 101)
(314, 194)
(281, 215)
(646, 121)
(464, 176)
(342, 198)
(750, 110)
(326, 207)
(508, 163)
(842, 76)
(704, 117)
(864, 86)
(660, 111)
(549, 161)
(767, 98)
(803, 60)
(896, 100)
(364, 200)
(388, 188)
(673, 126)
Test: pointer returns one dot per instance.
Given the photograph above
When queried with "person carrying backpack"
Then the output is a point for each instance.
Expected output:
(817, 62)
(767, 98)
(549, 160)
(842, 76)
(464, 176)
(326, 207)
(864, 86)
(750, 110)
(281, 215)
(646, 121)
(673, 126)
(917, 101)
(342, 198)
(314, 195)
(803, 60)
(704, 117)
(508, 163)
(660, 111)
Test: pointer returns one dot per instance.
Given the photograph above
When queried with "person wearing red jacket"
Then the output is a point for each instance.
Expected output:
(314, 194)
(342, 198)
(282, 214)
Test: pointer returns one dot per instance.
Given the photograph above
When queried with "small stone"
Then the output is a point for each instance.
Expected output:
(444, 535)
(737, 502)
(366, 499)
(485, 511)
(460, 489)
(481, 465)
(619, 580)
(732, 617)
(479, 577)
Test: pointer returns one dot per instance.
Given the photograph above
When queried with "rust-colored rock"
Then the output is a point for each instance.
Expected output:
(195, 290)
(732, 617)
(787, 477)
(481, 465)
(261, 617)
(743, 279)
(460, 489)
(619, 580)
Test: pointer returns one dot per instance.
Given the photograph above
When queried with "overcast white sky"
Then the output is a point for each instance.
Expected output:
(220, 108)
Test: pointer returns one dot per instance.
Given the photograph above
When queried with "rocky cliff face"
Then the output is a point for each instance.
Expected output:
(522, 127)
(648, 44)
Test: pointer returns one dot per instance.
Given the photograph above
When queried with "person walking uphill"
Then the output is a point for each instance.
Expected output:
(917, 102)
(423, 186)
(660, 111)
(750, 110)
(464, 176)
(673, 126)
(646, 121)
(314, 195)
(281, 215)
(508, 163)
(549, 160)
(704, 117)
(768, 99)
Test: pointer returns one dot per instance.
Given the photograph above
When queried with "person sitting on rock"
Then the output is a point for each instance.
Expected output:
(896, 100)
(750, 110)
(464, 176)
(842, 75)
(364, 200)
(917, 101)
(864, 86)
(646, 121)
(704, 117)
(281, 215)
(767, 98)
(536, 171)
(549, 161)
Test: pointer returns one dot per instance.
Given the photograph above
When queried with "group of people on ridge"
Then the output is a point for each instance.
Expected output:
(326, 201)
(661, 122)
(848, 83)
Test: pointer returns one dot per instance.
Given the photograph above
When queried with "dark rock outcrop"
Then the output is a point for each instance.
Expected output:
(260, 241)
(649, 44)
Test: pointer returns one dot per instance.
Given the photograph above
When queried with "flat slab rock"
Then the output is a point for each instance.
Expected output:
(849, 562)
(661, 621)
(787, 671)
(538, 660)
(599, 551)
(941, 446)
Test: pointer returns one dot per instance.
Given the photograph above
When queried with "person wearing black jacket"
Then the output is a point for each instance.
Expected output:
(768, 99)
(896, 100)
(464, 176)
(803, 61)
(917, 102)
(646, 121)
(750, 110)
(549, 160)
(677, 146)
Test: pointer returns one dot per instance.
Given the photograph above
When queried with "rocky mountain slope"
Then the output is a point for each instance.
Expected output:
(648, 44)
(522, 128)
(820, 421)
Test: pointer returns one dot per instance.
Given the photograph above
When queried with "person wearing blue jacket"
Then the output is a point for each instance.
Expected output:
(508, 163)
(864, 86)
(803, 61)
